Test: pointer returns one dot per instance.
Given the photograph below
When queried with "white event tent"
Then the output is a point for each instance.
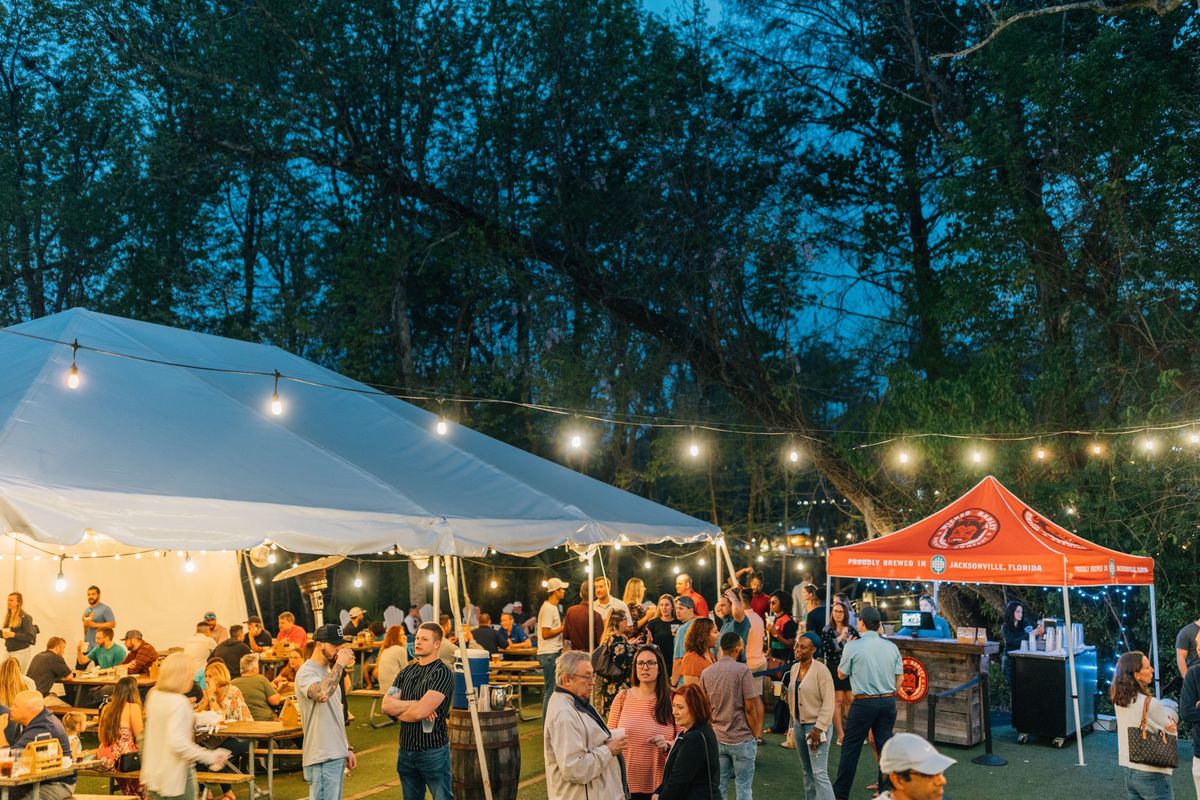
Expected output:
(169, 441)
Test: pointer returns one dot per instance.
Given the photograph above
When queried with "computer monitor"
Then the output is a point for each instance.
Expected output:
(918, 620)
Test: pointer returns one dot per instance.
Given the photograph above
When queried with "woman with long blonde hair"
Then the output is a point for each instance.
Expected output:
(639, 615)
(18, 631)
(12, 681)
(170, 749)
(222, 696)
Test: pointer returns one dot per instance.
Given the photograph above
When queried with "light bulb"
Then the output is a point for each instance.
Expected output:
(760, 559)
(675, 569)
(794, 456)
(73, 376)
(1070, 511)
(646, 564)
(1194, 438)
(617, 546)
(545, 584)
(137, 556)
(703, 562)
(1041, 454)
(188, 564)
(976, 456)
(576, 442)
(429, 577)
(357, 583)
(694, 450)
(493, 583)
(270, 558)
(903, 457)
(442, 428)
(116, 556)
(257, 581)
(276, 404)
(1148, 445)
(60, 583)
(587, 568)
(1097, 449)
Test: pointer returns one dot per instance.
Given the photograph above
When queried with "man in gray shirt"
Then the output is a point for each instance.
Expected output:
(327, 751)
(732, 692)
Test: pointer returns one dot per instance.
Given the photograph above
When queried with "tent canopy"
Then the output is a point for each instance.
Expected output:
(155, 455)
(989, 535)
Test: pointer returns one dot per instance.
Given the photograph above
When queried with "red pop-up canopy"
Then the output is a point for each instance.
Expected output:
(989, 535)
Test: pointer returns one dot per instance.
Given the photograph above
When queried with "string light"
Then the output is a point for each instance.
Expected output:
(1040, 454)
(257, 580)
(1149, 445)
(73, 372)
(793, 455)
(429, 577)
(442, 427)
(1097, 448)
(976, 457)
(358, 581)
(60, 583)
(492, 584)
(675, 569)
(271, 558)
(276, 403)
(188, 564)
(702, 562)
(646, 564)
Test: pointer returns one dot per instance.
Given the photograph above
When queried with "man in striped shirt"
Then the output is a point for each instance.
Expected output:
(420, 698)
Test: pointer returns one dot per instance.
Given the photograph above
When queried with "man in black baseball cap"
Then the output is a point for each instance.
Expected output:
(327, 751)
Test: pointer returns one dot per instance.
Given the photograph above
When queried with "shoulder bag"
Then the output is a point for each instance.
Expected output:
(605, 666)
(1152, 748)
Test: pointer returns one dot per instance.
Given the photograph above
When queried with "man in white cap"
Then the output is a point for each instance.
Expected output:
(358, 622)
(913, 768)
(550, 637)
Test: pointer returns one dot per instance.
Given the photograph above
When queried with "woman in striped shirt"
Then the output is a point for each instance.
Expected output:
(644, 711)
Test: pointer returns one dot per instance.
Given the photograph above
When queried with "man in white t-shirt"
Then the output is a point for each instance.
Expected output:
(550, 637)
(603, 602)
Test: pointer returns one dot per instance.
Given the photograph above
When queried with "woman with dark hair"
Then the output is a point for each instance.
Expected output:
(1132, 699)
(19, 632)
(783, 627)
(662, 628)
(693, 770)
(940, 629)
(837, 633)
(644, 712)
(701, 639)
(1013, 631)
(121, 723)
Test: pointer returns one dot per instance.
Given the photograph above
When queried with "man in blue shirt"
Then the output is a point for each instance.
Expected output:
(685, 612)
(97, 617)
(512, 632)
(29, 709)
(873, 666)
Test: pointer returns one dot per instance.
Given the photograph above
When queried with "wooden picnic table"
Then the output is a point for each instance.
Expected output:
(269, 732)
(82, 680)
(520, 651)
(34, 780)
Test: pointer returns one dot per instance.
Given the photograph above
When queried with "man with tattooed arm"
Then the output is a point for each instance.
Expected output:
(327, 751)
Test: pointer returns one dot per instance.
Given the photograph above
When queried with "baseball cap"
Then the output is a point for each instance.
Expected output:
(354, 612)
(210, 615)
(554, 584)
(518, 604)
(909, 751)
(132, 634)
(869, 615)
(330, 634)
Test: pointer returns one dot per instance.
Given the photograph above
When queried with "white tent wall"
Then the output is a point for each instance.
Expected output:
(153, 595)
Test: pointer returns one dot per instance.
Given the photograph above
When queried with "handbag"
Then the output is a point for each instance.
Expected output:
(1152, 748)
(604, 665)
(129, 762)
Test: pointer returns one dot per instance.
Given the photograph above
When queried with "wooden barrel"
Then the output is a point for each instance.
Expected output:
(501, 745)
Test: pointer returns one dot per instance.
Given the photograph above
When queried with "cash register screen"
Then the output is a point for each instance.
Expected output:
(917, 619)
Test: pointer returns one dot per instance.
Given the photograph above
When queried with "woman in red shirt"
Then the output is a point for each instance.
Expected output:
(644, 712)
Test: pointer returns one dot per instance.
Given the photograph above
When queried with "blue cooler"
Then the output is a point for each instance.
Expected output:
(480, 662)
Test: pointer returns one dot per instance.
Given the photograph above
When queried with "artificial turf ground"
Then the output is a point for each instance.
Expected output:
(1035, 771)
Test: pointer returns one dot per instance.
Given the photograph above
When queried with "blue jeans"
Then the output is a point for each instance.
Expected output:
(815, 765)
(419, 769)
(867, 714)
(325, 779)
(737, 764)
(548, 661)
(1141, 785)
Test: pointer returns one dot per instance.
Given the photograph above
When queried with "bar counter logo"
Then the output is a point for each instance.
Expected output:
(914, 682)
(1042, 529)
(965, 530)
(937, 564)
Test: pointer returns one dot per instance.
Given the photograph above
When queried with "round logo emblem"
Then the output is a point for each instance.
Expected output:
(1041, 529)
(914, 682)
(965, 530)
(937, 564)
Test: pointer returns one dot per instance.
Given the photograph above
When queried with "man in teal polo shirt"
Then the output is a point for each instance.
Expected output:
(873, 666)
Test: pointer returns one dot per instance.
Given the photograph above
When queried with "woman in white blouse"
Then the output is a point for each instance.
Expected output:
(170, 748)
(811, 700)
(1131, 695)
(393, 656)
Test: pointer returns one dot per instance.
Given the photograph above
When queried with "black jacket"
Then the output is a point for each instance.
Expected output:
(1188, 710)
(24, 635)
(693, 770)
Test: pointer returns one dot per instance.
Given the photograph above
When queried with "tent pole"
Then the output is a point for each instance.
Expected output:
(724, 552)
(829, 598)
(720, 567)
(591, 572)
(250, 579)
(1070, 641)
(937, 586)
(472, 695)
(1154, 642)
(437, 590)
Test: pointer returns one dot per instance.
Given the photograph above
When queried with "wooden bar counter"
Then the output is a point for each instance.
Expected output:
(932, 666)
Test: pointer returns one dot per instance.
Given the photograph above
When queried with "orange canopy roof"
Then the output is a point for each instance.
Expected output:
(989, 536)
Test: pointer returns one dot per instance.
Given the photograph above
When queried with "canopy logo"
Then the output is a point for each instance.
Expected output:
(937, 564)
(966, 529)
(1042, 529)
(914, 681)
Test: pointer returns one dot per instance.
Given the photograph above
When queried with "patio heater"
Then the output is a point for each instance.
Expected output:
(313, 582)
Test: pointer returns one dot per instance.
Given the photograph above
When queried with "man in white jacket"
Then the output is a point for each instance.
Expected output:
(583, 759)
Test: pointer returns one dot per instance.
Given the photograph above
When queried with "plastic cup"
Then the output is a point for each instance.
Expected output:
(617, 733)
(427, 725)
(777, 688)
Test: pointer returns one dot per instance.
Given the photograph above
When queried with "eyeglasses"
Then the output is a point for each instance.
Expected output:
(589, 678)
(646, 664)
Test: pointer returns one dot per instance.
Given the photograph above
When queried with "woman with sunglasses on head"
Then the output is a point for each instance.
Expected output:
(644, 712)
